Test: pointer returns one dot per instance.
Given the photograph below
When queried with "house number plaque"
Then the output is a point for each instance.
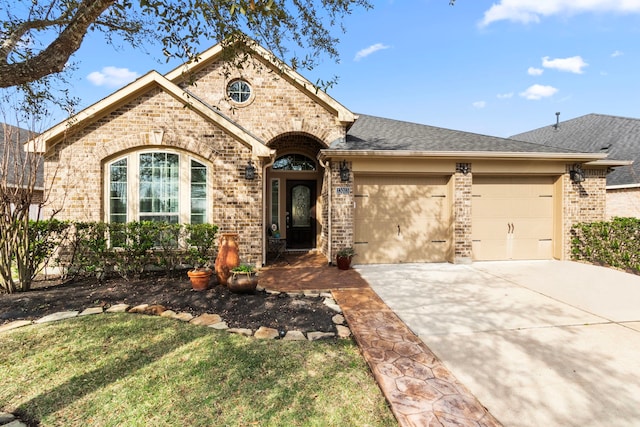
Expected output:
(342, 190)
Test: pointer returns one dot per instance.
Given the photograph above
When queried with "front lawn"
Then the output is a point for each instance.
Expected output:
(134, 370)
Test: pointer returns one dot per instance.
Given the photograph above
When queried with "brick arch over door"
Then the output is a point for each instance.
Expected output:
(297, 143)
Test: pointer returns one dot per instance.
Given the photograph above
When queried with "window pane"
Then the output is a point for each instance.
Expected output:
(294, 162)
(159, 185)
(118, 191)
(198, 192)
(301, 206)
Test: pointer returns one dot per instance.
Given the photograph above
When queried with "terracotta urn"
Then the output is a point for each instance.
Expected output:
(228, 257)
(200, 278)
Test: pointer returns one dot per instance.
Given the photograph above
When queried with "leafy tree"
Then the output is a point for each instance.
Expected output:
(39, 37)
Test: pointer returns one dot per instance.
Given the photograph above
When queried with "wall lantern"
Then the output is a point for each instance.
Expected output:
(464, 168)
(576, 174)
(344, 171)
(249, 170)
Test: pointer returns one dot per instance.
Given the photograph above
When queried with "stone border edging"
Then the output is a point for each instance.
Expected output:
(207, 319)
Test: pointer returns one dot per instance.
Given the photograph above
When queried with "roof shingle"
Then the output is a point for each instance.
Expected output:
(619, 137)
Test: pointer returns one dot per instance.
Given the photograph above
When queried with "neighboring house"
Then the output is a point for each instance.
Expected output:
(248, 148)
(618, 137)
(16, 165)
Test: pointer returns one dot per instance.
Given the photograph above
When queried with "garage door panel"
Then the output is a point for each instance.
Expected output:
(402, 219)
(512, 217)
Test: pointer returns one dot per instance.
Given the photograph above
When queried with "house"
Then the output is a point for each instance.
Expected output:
(618, 137)
(260, 147)
(16, 166)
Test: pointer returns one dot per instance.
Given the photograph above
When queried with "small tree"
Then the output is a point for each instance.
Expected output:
(21, 198)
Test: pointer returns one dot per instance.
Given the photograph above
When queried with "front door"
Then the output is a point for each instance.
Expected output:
(301, 220)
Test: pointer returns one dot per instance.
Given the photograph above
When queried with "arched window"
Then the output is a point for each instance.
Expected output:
(157, 186)
(294, 162)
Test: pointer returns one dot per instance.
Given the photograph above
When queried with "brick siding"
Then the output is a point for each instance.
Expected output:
(623, 202)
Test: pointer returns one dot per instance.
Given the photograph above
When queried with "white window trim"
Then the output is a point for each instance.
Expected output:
(133, 184)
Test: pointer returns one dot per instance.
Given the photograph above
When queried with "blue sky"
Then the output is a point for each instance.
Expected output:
(495, 67)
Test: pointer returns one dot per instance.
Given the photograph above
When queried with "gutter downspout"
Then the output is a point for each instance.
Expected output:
(327, 167)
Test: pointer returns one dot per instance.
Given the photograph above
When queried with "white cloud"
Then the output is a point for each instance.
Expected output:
(575, 64)
(479, 104)
(616, 54)
(537, 92)
(369, 50)
(112, 76)
(533, 71)
(505, 95)
(530, 11)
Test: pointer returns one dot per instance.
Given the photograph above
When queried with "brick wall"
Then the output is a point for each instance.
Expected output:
(462, 247)
(583, 202)
(76, 165)
(277, 107)
(623, 202)
(342, 211)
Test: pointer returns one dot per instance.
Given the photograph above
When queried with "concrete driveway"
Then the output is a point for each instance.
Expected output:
(539, 343)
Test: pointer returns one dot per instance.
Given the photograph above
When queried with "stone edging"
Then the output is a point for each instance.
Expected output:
(207, 319)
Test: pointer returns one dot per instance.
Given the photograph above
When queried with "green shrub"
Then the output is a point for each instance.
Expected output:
(614, 243)
(131, 249)
(201, 241)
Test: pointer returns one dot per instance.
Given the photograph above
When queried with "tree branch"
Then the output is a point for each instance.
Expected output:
(54, 58)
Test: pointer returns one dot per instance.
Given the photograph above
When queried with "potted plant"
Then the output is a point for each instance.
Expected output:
(201, 273)
(343, 258)
(200, 239)
(243, 279)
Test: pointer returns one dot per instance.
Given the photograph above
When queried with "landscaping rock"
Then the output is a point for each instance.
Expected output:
(118, 308)
(15, 423)
(264, 333)
(220, 326)
(91, 310)
(314, 336)
(343, 331)
(206, 319)
(15, 324)
(139, 308)
(294, 336)
(185, 317)
(6, 417)
(338, 319)
(168, 313)
(155, 310)
(61, 315)
(329, 302)
(311, 294)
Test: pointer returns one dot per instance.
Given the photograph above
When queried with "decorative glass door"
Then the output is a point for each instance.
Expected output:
(301, 221)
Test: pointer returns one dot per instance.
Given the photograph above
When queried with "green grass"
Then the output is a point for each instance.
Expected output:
(134, 370)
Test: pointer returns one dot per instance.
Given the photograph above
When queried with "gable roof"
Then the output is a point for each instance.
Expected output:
(143, 84)
(397, 137)
(214, 53)
(618, 137)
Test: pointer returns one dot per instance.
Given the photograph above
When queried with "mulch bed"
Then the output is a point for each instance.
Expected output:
(281, 311)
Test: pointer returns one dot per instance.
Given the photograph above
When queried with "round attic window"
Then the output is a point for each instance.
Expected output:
(239, 91)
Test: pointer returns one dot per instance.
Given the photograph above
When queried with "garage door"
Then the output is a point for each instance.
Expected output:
(402, 219)
(512, 218)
